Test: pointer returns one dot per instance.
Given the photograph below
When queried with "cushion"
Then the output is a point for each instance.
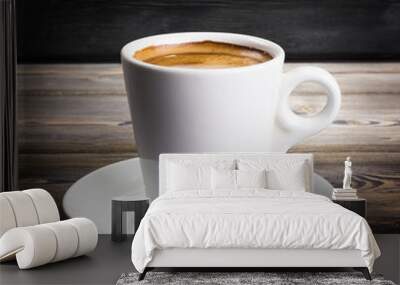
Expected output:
(26, 208)
(237, 179)
(253, 178)
(7, 219)
(40, 244)
(87, 233)
(67, 237)
(223, 179)
(293, 180)
(193, 174)
(45, 205)
(282, 174)
(23, 208)
(182, 177)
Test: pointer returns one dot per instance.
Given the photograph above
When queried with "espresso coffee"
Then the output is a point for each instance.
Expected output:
(205, 54)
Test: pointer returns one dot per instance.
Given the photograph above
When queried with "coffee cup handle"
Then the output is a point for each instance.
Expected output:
(300, 127)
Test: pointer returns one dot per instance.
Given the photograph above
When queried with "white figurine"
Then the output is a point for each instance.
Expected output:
(347, 174)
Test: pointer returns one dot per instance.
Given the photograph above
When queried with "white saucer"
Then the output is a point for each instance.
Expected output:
(91, 195)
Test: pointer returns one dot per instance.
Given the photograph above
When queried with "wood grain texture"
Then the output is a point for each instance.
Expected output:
(75, 118)
(95, 30)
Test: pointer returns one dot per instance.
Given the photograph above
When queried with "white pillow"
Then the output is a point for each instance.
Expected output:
(188, 177)
(292, 180)
(223, 179)
(189, 174)
(236, 179)
(283, 173)
(251, 178)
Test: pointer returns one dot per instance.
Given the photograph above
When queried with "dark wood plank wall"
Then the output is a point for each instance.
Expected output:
(95, 30)
(75, 118)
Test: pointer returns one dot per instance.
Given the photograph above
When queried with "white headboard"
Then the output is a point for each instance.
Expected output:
(167, 157)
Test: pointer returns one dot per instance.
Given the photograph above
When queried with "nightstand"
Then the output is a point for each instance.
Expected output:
(127, 203)
(358, 206)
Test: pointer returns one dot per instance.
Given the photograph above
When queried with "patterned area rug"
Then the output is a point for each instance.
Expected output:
(268, 278)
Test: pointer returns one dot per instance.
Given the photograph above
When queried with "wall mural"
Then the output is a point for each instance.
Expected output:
(74, 118)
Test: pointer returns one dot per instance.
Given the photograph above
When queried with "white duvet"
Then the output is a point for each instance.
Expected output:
(250, 219)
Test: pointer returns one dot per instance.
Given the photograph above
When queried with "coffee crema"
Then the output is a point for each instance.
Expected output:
(204, 54)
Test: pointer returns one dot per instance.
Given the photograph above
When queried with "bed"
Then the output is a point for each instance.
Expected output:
(247, 210)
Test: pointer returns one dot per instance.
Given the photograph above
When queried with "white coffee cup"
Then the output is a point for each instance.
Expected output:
(242, 109)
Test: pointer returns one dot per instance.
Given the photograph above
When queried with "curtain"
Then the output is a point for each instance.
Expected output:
(8, 100)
